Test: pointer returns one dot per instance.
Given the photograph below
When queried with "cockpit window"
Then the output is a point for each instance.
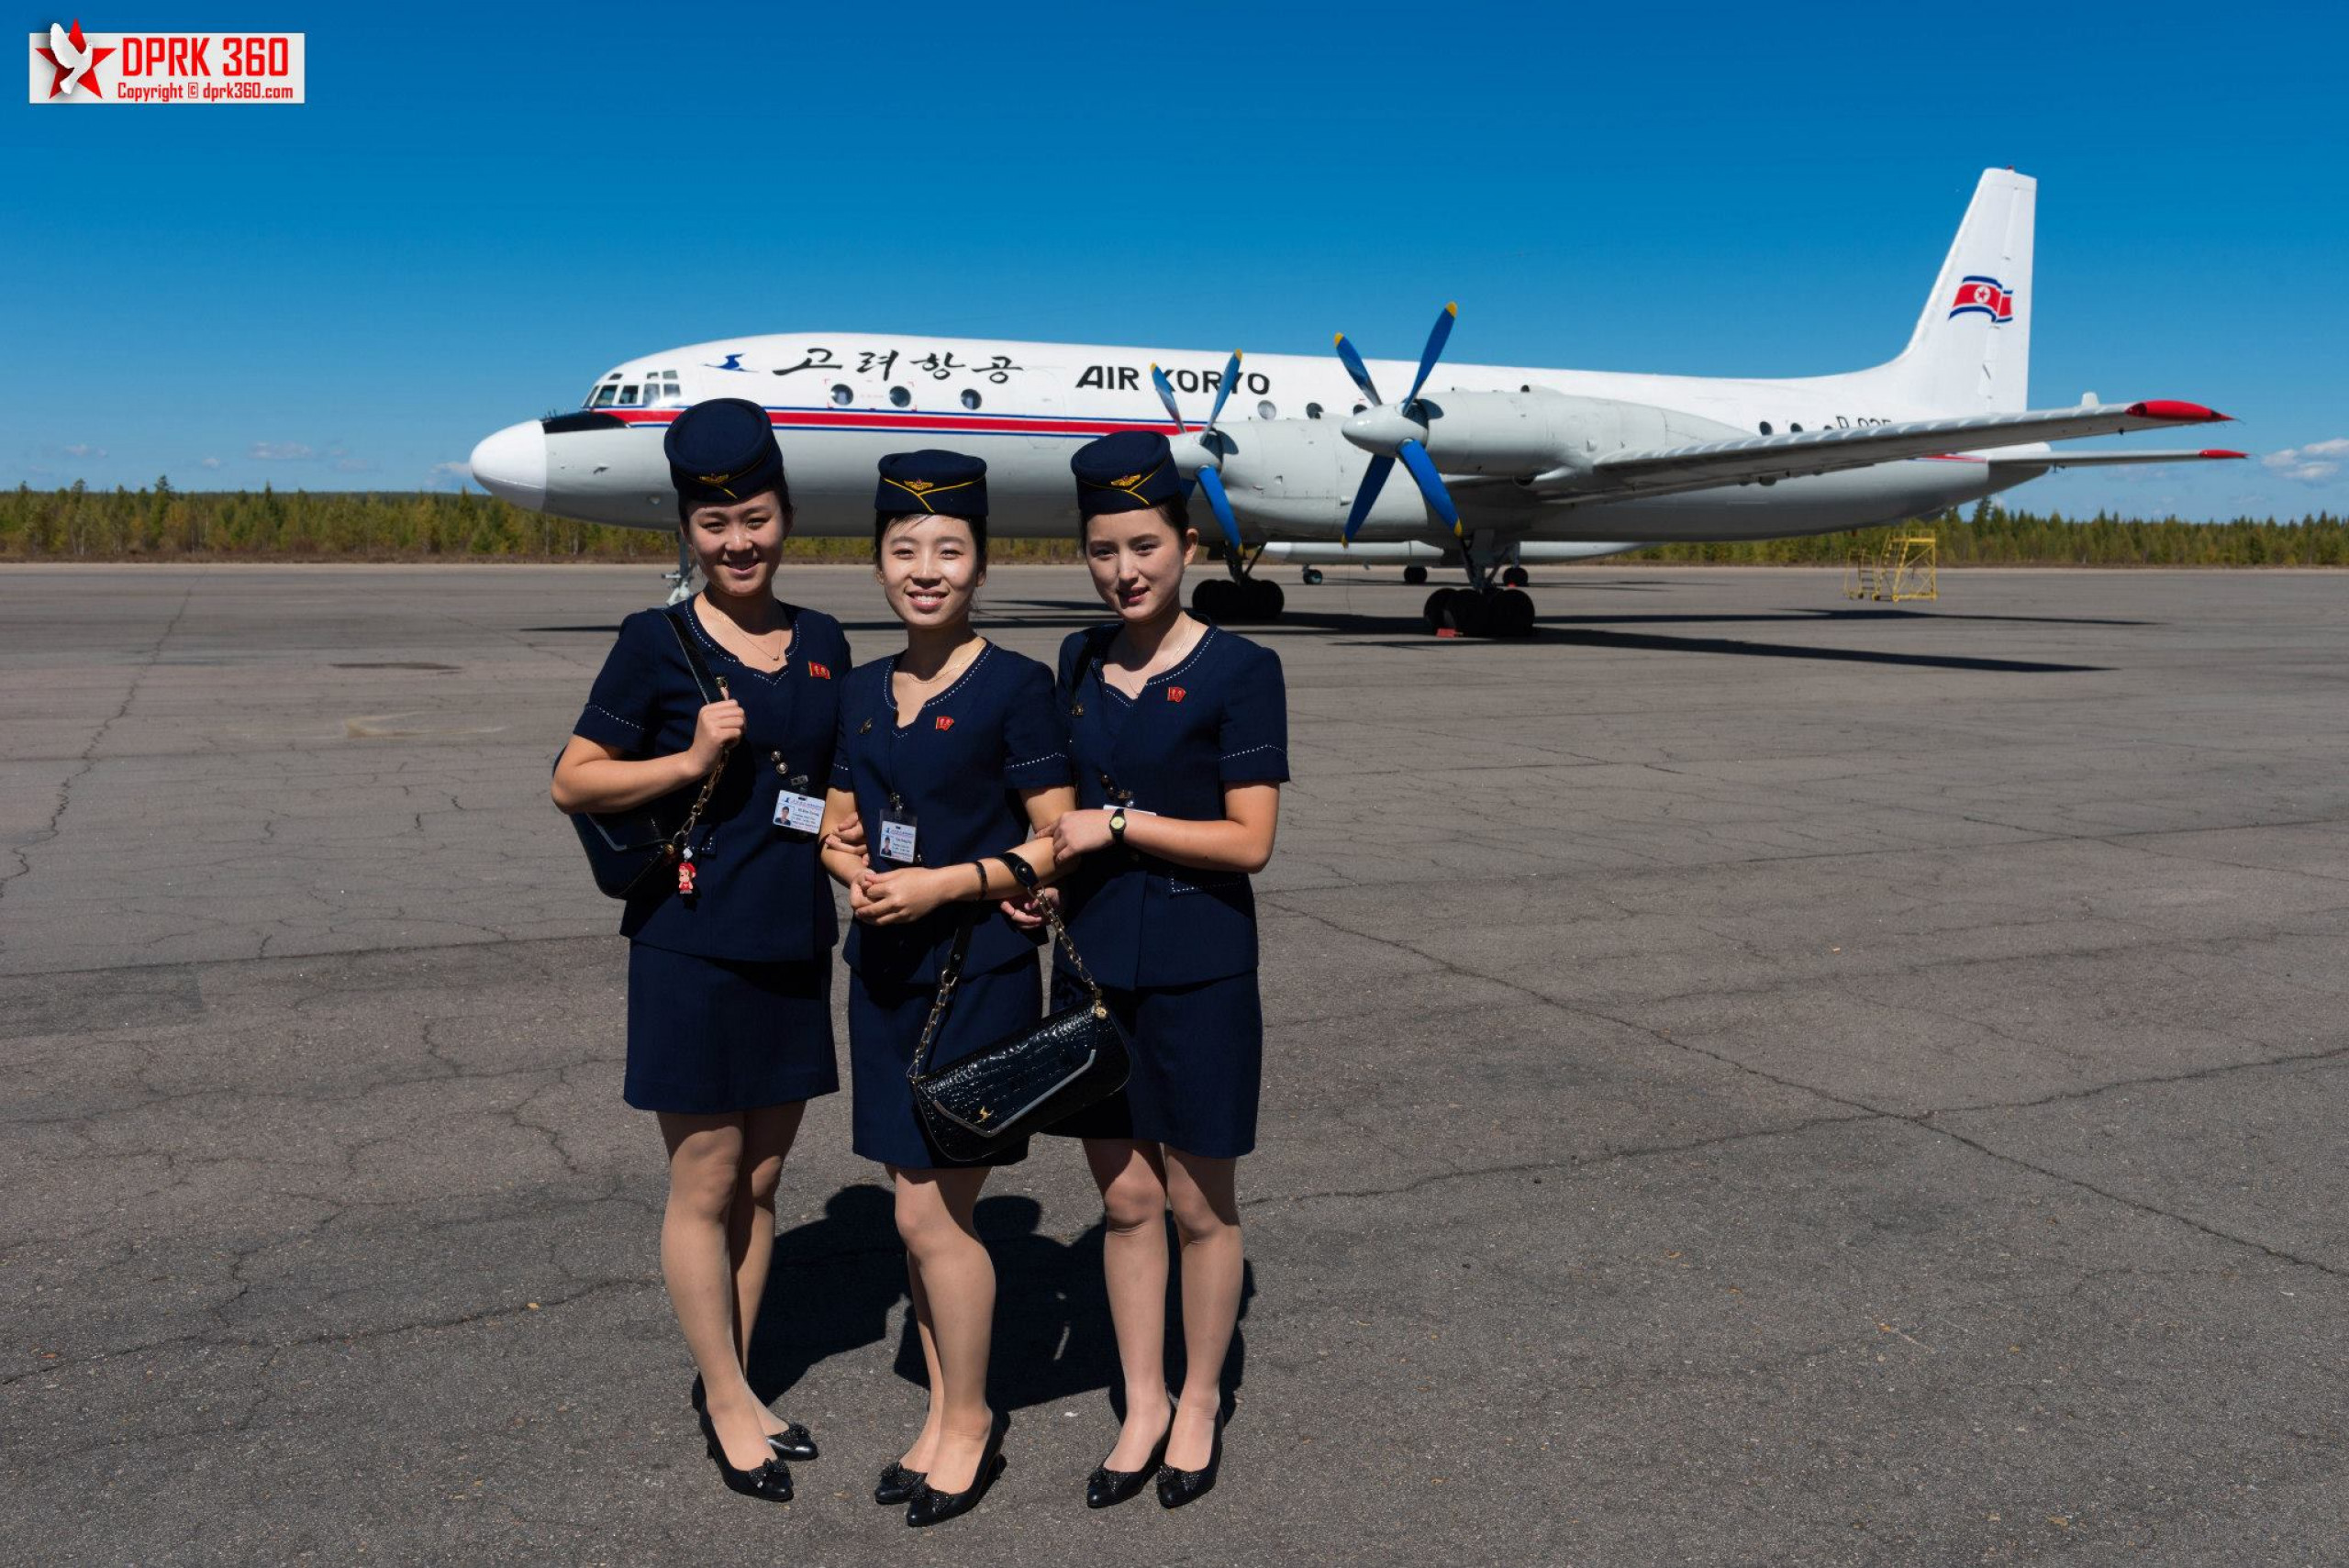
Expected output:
(662, 389)
(602, 397)
(628, 395)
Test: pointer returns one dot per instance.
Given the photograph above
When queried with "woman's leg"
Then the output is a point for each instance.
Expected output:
(767, 1135)
(705, 1164)
(1206, 1216)
(1132, 1179)
(925, 1449)
(954, 1305)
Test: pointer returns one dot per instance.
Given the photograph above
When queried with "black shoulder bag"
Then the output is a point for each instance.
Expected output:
(1025, 1083)
(627, 851)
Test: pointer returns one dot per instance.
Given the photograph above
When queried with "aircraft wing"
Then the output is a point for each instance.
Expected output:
(2112, 459)
(1824, 451)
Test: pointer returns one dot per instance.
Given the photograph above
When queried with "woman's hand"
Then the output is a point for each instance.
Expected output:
(897, 898)
(847, 835)
(1079, 833)
(717, 727)
(1026, 913)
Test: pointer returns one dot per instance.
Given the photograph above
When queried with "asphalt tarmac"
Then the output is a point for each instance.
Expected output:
(1752, 1079)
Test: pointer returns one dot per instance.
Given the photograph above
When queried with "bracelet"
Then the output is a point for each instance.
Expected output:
(1021, 870)
(981, 867)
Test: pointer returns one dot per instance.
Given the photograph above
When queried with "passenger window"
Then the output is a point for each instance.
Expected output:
(970, 398)
(1765, 427)
(1265, 411)
(899, 397)
(1794, 429)
(1313, 410)
(843, 396)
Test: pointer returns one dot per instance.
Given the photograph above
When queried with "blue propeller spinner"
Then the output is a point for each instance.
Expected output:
(1379, 428)
(1209, 478)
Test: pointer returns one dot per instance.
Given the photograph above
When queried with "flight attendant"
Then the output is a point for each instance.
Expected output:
(730, 959)
(1179, 733)
(952, 757)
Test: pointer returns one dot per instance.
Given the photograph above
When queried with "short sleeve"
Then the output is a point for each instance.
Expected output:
(1035, 743)
(1254, 740)
(623, 707)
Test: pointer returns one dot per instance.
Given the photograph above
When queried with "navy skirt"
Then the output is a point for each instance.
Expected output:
(1199, 1064)
(884, 1024)
(706, 1036)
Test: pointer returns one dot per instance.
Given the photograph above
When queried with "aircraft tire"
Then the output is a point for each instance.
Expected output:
(1265, 600)
(1514, 577)
(1438, 603)
(1211, 600)
(1312, 576)
(1415, 575)
(1510, 613)
(1469, 613)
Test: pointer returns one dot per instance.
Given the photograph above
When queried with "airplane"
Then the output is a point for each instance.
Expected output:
(1506, 465)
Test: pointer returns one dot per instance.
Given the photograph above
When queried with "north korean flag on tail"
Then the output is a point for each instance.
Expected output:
(1985, 296)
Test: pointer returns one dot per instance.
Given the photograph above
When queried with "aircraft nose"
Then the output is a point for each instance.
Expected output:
(511, 465)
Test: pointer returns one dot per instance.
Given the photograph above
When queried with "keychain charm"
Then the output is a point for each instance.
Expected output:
(686, 874)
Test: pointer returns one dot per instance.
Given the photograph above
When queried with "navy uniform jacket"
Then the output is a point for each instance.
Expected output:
(958, 767)
(762, 894)
(1220, 717)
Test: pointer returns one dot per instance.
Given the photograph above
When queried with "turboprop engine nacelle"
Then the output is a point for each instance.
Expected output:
(1507, 434)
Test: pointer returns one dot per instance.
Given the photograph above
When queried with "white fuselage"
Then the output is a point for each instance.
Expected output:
(841, 400)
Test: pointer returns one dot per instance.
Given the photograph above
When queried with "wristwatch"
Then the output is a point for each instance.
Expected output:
(1118, 827)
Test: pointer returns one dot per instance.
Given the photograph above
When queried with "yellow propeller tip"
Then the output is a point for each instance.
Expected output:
(1338, 339)
(1451, 309)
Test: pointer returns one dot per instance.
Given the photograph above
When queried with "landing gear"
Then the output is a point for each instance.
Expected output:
(681, 579)
(1515, 578)
(1313, 576)
(1232, 601)
(1415, 575)
(1485, 609)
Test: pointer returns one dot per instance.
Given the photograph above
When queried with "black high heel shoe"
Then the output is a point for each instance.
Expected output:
(929, 1506)
(897, 1484)
(794, 1442)
(1176, 1487)
(770, 1482)
(1106, 1488)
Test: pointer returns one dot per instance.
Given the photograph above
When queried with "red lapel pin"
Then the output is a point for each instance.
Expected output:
(1174, 693)
(945, 721)
(821, 672)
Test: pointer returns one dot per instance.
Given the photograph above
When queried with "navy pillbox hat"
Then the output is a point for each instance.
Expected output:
(722, 451)
(1129, 472)
(950, 485)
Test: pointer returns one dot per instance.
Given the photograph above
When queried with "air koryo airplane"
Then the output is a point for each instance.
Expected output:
(1507, 465)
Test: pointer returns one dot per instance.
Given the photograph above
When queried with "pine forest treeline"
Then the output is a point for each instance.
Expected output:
(161, 523)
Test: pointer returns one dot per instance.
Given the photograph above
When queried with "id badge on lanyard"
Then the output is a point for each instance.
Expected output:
(796, 810)
(897, 832)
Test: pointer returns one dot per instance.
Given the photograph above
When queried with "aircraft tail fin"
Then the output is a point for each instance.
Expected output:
(1971, 351)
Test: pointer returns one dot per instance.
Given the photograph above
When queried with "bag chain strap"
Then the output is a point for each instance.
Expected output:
(678, 839)
(951, 973)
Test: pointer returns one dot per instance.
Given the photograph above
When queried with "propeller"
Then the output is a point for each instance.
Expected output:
(1389, 432)
(1209, 478)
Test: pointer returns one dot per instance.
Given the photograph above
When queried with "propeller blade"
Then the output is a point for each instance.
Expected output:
(1374, 479)
(1415, 458)
(1438, 335)
(1231, 379)
(1166, 396)
(1212, 483)
(1355, 368)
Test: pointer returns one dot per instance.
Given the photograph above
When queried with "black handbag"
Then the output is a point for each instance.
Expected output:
(628, 850)
(1028, 1080)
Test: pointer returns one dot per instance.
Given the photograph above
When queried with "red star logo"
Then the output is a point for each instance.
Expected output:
(89, 77)
(1176, 694)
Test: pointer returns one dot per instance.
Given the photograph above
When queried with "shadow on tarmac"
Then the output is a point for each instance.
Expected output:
(837, 1282)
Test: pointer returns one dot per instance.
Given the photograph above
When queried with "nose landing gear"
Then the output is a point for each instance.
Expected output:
(681, 580)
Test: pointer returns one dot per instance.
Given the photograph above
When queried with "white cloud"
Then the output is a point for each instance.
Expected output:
(279, 451)
(462, 473)
(84, 450)
(209, 462)
(2310, 464)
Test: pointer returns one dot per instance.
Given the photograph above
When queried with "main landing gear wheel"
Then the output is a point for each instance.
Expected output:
(1464, 612)
(1515, 578)
(1415, 575)
(1229, 601)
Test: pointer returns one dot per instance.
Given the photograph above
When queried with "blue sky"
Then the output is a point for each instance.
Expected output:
(479, 209)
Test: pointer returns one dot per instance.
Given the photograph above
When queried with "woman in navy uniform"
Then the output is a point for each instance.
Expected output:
(951, 754)
(1179, 732)
(729, 962)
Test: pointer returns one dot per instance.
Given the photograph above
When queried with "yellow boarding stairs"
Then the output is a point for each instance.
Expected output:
(1908, 567)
